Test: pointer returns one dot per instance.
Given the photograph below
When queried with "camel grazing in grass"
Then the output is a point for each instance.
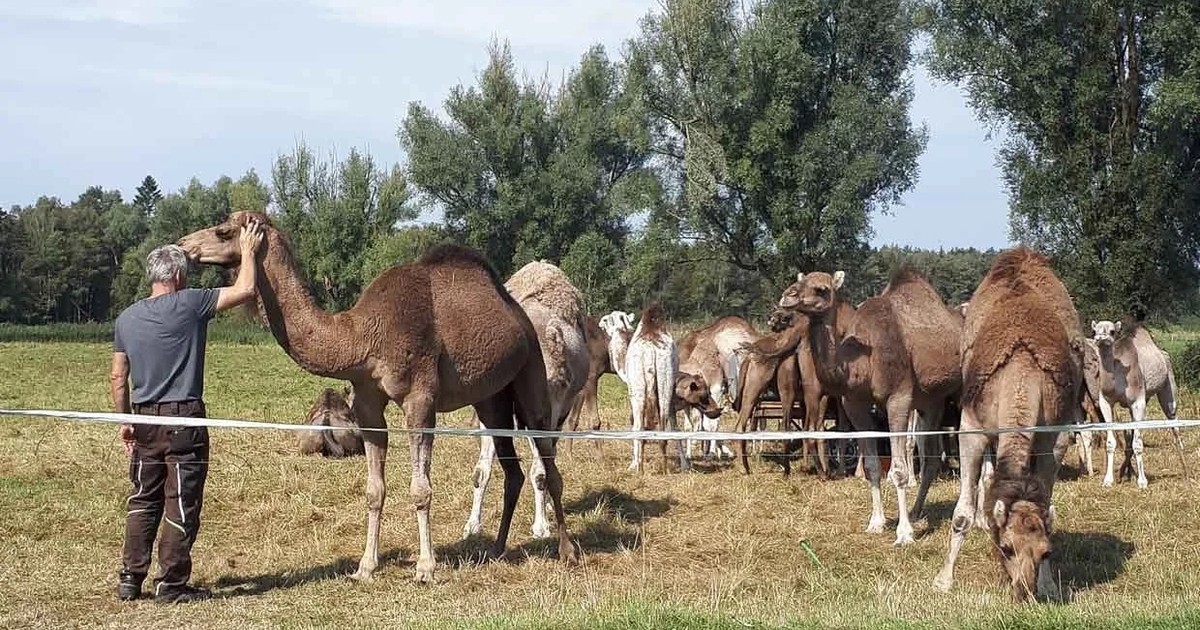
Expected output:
(434, 335)
(651, 365)
(693, 395)
(331, 409)
(786, 355)
(711, 352)
(1022, 366)
(556, 309)
(1132, 369)
(898, 350)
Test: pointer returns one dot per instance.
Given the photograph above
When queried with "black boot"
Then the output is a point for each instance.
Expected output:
(181, 595)
(130, 586)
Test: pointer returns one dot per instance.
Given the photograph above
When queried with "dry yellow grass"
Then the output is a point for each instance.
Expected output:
(709, 549)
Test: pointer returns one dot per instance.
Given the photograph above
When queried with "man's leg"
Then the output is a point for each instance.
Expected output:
(187, 471)
(144, 507)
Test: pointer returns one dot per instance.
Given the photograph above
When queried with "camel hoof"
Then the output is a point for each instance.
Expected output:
(1107, 482)
(903, 540)
(424, 574)
(471, 529)
(362, 575)
(943, 583)
(569, 554)
(875, 527)
(1142, 484)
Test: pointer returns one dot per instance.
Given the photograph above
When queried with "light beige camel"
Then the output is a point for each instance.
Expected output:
(331, 409)
(1133, 368)
(1022, 366)
(600, 362)
(652, 365)
(556, 309)
(898, 350)
(431, 336)
(711, 352)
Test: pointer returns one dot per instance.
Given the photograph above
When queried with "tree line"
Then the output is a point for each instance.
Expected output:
(728, 146)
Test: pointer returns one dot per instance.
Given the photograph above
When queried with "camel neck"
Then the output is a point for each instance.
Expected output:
(824, 340)
(316, 340)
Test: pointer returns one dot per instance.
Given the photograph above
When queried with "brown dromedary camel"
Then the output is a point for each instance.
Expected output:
(712, 352)
(431, 336)
(331, 409)
(1133, 368)
(1022, 366)
(555, 307)
(600, 362)
(787, 347)
(898, 350)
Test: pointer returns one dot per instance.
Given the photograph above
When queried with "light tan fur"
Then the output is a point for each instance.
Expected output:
(331, 409)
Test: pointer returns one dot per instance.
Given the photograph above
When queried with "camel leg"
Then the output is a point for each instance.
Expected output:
(419, 411)
(367, 409)
(910, 446)
(572, 423)
(987, 470)
(1138, 411)
(814, 411)
(544, 448)
(1166, 400)
(754, 386)
(860, 418)
(537, 479)
(1110, 443)
(1084, 440)
(927, 447)
(483, 473)
(636, 403)
(899, 411)
(971, 448)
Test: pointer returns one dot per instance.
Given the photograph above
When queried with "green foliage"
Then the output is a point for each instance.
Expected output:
(1187, 366)
(402, 246)
(785, 126)
(1101, 103)
(332, 211)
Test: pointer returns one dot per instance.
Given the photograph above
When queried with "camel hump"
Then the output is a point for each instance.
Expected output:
(549, 285)
(455, 255)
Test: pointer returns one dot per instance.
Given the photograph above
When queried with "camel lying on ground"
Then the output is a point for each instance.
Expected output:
(556, 309)
(898, 350)
(331, 409)
(1022, 366)
(434, 335)
(1132, 369)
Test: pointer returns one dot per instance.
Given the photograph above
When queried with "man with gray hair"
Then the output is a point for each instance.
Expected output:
(159, 345)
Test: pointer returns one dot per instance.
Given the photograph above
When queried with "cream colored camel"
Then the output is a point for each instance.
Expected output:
(899, 350)
(556, 309)
(431, 336)
(1022, 366)
(651, 365)
(1133, 368)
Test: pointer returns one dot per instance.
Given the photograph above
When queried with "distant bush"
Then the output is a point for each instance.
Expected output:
(1187, 366)
(229, 330)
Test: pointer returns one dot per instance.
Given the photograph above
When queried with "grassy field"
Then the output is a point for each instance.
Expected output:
(709, 549)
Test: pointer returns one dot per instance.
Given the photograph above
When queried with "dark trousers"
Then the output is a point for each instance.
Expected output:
(168, 468)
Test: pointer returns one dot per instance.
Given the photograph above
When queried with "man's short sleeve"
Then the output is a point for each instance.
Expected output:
(118, 343)
(204, 301)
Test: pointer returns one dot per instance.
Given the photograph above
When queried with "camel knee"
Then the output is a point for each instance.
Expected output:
(422, 495)
(962, 524)
(375, 495)
(481, 476)
(1110, 443)
(898, 474)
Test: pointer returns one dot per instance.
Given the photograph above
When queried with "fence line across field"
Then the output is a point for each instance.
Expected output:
(222, 423)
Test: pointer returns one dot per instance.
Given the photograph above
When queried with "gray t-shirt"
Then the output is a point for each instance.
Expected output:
(164, 338)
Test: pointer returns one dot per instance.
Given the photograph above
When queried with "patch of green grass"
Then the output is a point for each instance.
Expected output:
(713, 549)
(224, 329)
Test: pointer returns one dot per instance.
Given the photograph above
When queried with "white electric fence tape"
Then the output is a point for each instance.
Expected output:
(120, 418)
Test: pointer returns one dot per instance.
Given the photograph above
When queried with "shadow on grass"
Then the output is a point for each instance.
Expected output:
(240, 586)
(624, 506)
(934, 514)
(1089, 559)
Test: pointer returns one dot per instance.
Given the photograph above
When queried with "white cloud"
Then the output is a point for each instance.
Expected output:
(559, 23)
(132, 12)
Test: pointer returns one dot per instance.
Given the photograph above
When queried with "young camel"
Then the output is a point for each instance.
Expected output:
(651, 365)
(331, 409)
(599, 364)
(555, 307)
(1133, 368)
(1022, 350)
(898, 350)
(431, 336)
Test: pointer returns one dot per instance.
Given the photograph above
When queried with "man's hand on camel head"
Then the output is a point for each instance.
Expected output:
(251, 237)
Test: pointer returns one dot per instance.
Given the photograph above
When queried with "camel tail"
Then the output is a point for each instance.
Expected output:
(743, 369)
(1169, 400)
(650, 410)
(557, 367)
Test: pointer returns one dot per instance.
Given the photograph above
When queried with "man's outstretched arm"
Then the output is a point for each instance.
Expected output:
(244, 287)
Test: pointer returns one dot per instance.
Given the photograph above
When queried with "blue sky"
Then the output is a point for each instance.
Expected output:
(105, 91)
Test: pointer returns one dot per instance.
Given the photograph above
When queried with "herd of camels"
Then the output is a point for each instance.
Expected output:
(444, 332)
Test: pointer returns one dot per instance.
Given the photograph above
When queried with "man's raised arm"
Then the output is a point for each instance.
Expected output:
(244, 287)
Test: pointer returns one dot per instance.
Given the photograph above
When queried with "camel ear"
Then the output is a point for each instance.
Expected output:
(839, 277)
(999, 513)
(800, 277)
(1117, 327)
(1093, 325)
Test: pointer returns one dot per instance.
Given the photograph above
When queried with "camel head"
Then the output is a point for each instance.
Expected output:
(1022, 521)
(1105, 332)
(218, 245)
(618, 325)
(814, 293)
(693, 390)
(780, 320)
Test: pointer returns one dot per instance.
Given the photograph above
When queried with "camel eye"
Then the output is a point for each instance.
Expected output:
(224, 232)
(691, 387)
(1006, 551)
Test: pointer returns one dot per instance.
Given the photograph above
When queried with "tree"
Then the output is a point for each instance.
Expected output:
(334, 211)
(523, 173)
(148, 196)
(1101, 106)
(783, 128)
